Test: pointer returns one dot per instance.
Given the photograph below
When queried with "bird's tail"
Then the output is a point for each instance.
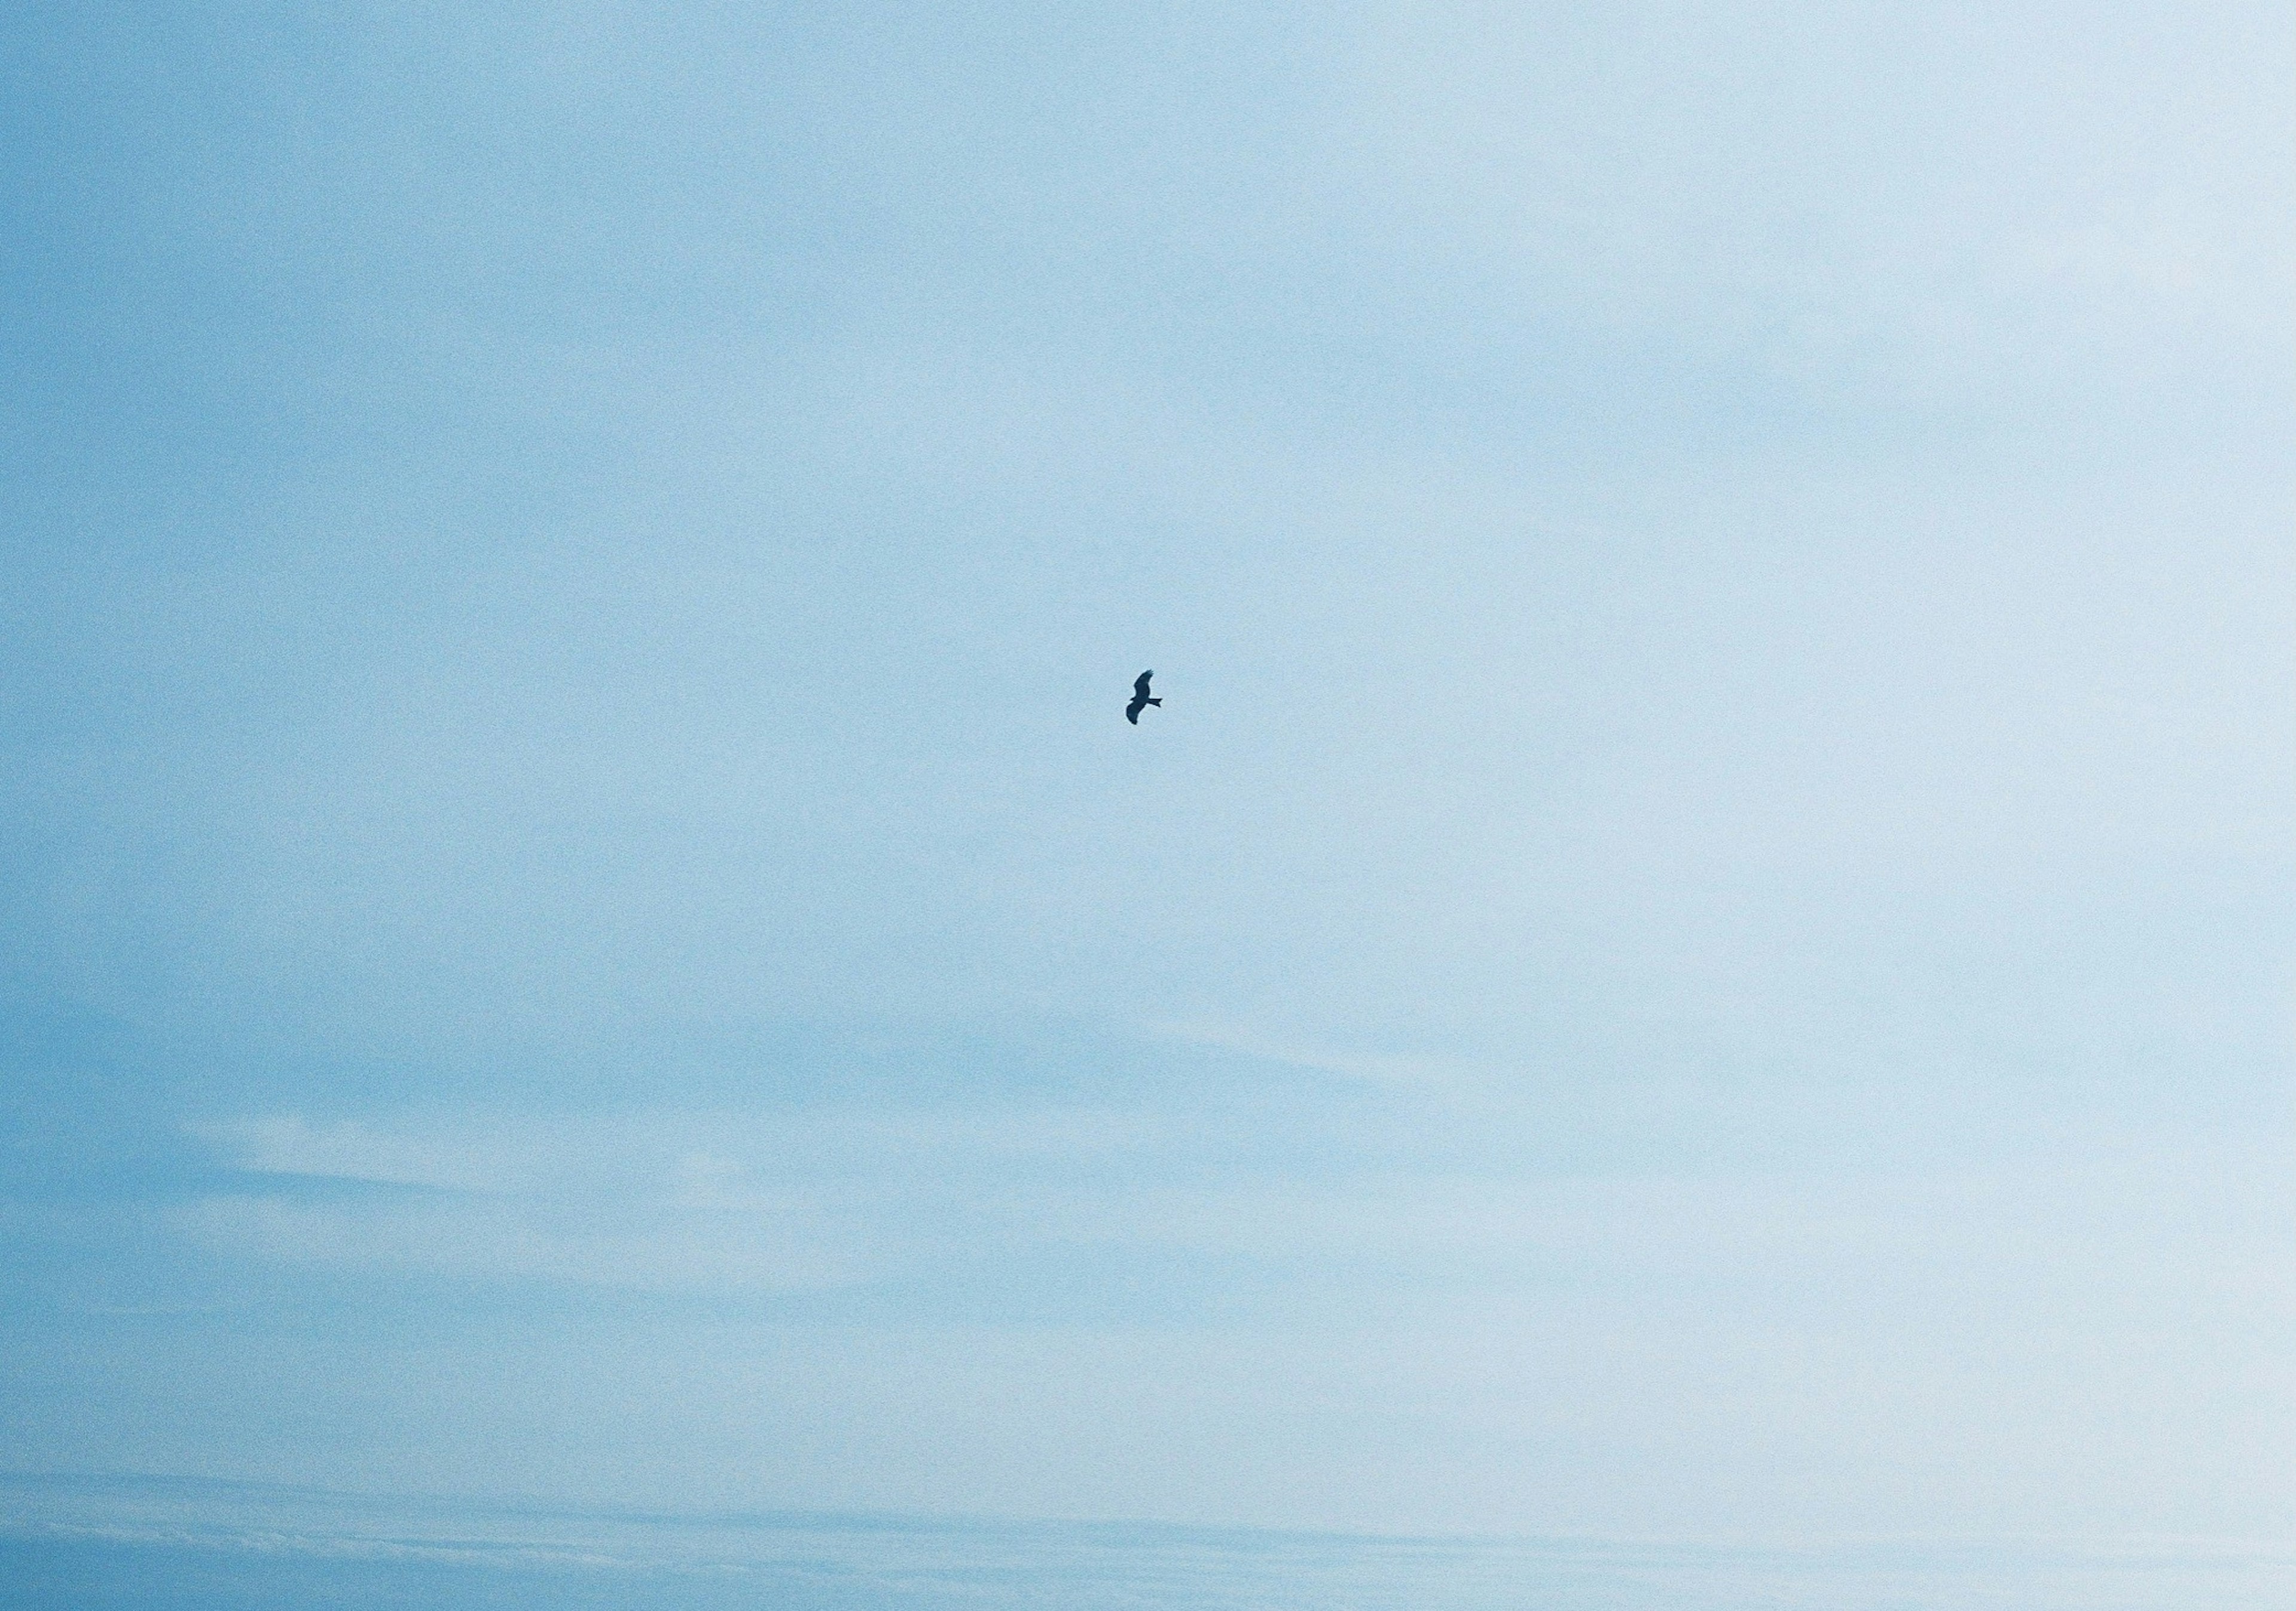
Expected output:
(1155, 701)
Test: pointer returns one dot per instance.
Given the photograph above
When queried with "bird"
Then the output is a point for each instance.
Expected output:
(1141, 699)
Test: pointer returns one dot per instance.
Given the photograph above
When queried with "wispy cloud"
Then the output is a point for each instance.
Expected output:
(289, 1144)
(756, 1249)
(751, 1203)
(653, 1202)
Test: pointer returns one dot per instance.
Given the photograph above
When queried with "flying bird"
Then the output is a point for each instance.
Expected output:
(1141, 699)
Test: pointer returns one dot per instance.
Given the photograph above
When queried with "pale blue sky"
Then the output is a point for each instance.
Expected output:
(1702, 943)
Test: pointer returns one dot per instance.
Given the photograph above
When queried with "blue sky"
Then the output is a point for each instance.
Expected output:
(1700, 946)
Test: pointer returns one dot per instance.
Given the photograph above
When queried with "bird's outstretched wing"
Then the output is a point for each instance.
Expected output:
(1140, 685)
(1132, 711)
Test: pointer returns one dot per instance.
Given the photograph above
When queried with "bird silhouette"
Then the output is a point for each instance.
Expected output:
(1141, 699)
